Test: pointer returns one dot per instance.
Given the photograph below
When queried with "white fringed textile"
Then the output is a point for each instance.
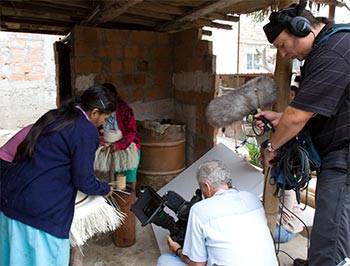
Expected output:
(107, 160)
(93, 216)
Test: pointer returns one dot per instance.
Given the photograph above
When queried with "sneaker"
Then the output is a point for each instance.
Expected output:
(300, 262)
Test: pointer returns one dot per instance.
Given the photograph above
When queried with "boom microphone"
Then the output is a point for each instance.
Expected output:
(231, 107)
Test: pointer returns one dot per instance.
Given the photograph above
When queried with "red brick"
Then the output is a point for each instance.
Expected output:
(25, 69)
(82, 49)
(17, 52)
(142, 65)
(137, 95)
(17, 77)
(180, 65)
(35, 52)
(34, 76)
(196, 64)
(123, 94)
(119, 36)
(128, 66)
(164, 65)
(117, 81)
(113, 50)
(125, 66)
(183, 51)
(203, 48)
(88, 34)
(87, 66)
(34, 59)
(17, 43)
(156, 93)
(116, 66)
(134, 79)
(33, 44)
(135, 51)
(162, 78)
(188, 36)
(16, 60)
(38, 69)
(163, 38)
(143, 37)
(161, 51)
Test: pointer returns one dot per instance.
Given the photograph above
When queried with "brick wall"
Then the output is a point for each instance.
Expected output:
(27, 78)
(138, 63)
(159, 74)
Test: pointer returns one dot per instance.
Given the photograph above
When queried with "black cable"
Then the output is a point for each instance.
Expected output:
(295, 167)
(277, 248)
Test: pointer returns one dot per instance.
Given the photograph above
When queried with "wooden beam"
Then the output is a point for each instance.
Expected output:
(150, 14)
(209, 23)
(44, 9)
(197, 13)
(162, 8)
(134, 20)
(110, 10)
(222, 17)
(207, 32)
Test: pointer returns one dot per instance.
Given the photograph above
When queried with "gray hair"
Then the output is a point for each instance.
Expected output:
(215, 173)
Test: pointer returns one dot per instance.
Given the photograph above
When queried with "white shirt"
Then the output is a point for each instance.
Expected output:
(229, 228)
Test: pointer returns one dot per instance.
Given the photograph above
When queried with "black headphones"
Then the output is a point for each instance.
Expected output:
(298, 26)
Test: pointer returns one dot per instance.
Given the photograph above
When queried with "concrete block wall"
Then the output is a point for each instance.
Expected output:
(27, 78)
(195, 82)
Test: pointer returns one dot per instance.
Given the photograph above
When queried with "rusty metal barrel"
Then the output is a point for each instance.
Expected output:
(162, 152)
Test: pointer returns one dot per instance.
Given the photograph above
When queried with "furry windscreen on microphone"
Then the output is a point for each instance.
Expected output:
(231, 107)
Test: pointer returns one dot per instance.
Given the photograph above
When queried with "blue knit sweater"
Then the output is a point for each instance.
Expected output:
(41, 192)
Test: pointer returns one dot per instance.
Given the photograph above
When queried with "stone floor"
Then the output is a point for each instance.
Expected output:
(102, 251)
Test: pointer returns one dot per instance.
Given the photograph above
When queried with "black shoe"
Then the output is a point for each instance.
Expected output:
(300, 262)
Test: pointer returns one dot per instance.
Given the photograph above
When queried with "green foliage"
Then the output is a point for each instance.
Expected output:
(258, 16)
(254, 153)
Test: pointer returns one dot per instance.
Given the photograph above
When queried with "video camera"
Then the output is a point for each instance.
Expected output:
(149, 208)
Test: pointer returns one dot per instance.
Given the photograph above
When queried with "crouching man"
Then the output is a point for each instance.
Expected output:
(228, 227)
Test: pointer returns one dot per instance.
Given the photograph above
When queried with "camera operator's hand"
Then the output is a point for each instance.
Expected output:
(173, 246)
(177, 249)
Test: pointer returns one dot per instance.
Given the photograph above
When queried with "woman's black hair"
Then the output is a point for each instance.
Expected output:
(113, 90)
(96, 96)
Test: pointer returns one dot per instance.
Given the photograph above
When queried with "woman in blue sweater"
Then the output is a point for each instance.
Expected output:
(39, 190)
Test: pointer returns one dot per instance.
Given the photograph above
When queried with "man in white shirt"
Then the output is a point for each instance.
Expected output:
(228, 227)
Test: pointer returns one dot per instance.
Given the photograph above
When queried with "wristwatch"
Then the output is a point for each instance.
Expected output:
(269, 147)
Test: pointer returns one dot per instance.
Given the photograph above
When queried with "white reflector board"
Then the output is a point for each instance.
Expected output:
(245, 177)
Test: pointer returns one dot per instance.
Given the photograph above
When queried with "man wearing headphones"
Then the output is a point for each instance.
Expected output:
(322, 106)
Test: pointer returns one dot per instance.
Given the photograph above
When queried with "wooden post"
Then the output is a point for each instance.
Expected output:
(270, 202)
(282, 77)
